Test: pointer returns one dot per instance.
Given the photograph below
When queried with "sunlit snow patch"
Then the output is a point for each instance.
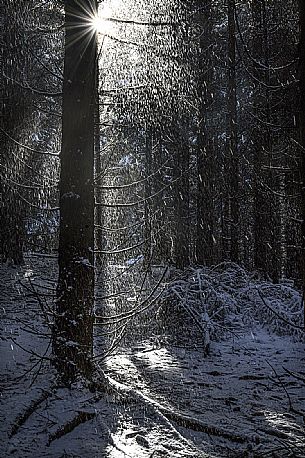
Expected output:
(28, 273)
(132, 261)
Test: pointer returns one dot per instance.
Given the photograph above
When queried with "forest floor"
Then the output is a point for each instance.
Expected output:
(245, 399)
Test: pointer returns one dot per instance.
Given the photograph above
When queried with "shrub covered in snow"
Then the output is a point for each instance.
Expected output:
(225, 298)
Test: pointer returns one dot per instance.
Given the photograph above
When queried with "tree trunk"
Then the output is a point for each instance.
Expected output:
(205, 239)
(302, 122)
(181, 195)
(14, 110)
(161, 235)
(260, 214)
(73, 328)
(266, 234)
(232, 141)
(148, 202)
(99, 233)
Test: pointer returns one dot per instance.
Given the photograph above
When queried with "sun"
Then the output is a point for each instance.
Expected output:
(100, 22)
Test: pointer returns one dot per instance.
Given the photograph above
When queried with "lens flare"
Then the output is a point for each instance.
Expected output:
(100, 22)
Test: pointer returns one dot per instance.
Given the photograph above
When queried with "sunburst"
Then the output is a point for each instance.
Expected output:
(101, 22)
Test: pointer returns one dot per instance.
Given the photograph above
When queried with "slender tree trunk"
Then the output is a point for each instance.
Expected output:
(98, 168)
(273, 242)
(181, 195)
(73, 327)
(266, 221)
(233, 140)
(302, 125)
(205, 239)
(148, 203)
(161, 233)
(259, 101)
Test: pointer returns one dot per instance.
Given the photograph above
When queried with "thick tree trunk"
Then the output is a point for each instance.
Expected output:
(73, 328)
(14, 110)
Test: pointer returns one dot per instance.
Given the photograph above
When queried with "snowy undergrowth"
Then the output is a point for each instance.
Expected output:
(225, 298)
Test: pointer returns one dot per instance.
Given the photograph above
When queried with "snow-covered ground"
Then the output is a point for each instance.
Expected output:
(242, 400)
(241, 387)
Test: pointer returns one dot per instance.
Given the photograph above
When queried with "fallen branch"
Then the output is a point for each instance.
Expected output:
(197, 425)
(23, 417)
(275, 433)
(82, 417)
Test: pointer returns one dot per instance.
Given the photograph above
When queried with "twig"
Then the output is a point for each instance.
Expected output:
(30, 352)
(291, 408)
(293, 374)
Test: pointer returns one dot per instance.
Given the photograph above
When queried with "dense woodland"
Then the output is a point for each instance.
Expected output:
(146, 144)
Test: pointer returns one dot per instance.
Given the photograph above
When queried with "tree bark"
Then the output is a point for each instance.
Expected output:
(98, 163)
(73, 327)
(205, 238)
(161, 234)
(233, 140)
(14, 110)
(148, 202)
(181, 195)
(266, 224)
(302, 124)
(260, 212)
